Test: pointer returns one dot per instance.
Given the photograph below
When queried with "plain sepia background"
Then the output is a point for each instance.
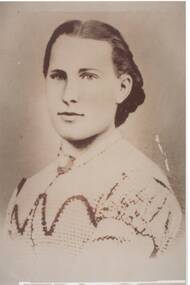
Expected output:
(155, 32)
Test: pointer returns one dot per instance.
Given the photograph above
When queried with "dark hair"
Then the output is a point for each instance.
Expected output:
(122, 58)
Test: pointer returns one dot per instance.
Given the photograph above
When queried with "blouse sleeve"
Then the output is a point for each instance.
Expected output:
(135, 211)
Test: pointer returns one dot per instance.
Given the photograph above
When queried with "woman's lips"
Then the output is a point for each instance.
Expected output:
(70, 114)
(69, 117)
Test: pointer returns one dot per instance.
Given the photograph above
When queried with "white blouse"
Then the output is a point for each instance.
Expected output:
(113, 193)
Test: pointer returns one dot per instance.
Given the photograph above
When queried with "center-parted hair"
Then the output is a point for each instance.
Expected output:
(122, 58)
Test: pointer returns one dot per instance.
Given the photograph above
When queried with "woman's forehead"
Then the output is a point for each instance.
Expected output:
(72, 50)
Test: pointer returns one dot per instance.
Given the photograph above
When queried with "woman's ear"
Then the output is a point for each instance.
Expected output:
(126, 83)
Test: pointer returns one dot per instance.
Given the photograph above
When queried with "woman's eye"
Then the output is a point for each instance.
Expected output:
(89, 76)
(58, 76)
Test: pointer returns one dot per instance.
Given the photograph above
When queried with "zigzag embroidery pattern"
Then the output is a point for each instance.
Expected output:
(43, 199)
(91, 212)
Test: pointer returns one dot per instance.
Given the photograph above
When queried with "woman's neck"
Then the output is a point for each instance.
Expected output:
(80, 147)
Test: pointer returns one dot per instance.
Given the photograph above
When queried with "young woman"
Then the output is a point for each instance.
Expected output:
(100, 192)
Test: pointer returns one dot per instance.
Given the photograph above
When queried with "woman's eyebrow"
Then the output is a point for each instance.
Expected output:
(58, 70)
(81, 70)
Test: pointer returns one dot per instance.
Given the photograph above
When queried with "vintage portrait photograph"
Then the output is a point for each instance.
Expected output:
(92, 149)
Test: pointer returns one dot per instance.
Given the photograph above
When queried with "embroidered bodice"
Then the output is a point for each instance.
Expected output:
(114, 193)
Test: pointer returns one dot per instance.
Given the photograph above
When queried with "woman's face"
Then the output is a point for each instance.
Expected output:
(82, 88)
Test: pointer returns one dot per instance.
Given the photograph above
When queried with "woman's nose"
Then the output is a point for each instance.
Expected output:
(70, 93)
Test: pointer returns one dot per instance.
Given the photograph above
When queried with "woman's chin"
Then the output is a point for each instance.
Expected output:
(80, 141)
(81, 135)
(75, 134)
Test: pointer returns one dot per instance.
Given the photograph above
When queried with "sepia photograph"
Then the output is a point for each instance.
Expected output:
(92, 151)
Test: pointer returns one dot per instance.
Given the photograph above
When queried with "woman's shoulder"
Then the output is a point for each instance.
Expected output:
(138, 166)
(142, 176)
(36, 182)
(143, 199)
